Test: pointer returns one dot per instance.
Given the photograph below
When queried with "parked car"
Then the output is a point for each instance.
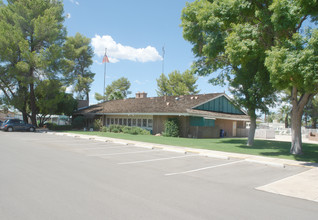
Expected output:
(16, 125)
(0, 123)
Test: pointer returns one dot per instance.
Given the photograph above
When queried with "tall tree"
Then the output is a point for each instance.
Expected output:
(177, 84)
(32, 35)
(230, 38)
(78, 53)
(118, 89)
(13, 81)
(292, 62)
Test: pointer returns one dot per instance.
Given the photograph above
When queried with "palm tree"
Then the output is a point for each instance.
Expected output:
(284, 111)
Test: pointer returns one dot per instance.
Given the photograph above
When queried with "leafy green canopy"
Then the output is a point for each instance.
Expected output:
(295, 63)
(31, 38)
(231, 37)
(293, 60)
(78, 53)
(177, 84)
(118, 89)
(53, 100)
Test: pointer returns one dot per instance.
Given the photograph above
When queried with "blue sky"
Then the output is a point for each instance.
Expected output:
(134, 33)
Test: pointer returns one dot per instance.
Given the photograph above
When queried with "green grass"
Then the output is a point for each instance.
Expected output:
(267, 148)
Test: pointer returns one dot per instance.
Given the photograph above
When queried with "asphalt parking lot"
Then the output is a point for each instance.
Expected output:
(62, 177)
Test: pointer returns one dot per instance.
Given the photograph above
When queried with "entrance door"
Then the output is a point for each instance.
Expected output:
(234, 129)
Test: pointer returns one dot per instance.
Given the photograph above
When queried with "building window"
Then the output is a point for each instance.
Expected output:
(144, 122)
(129, 121)
(134, 122)
(125, 121)
(149, 123)
(120, 121)
(108, 121)
(116, 121)
(139, 123)
(112, 121)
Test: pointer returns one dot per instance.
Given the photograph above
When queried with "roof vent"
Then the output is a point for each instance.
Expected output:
(143, 95)
(140, 95)
(177, 98)
(168, 103)
(137, 95)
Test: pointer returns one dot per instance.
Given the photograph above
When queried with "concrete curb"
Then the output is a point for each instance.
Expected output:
(267, 161)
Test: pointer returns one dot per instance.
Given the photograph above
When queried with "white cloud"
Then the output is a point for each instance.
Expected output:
(117, 51)
(74, 2)
(68, 16)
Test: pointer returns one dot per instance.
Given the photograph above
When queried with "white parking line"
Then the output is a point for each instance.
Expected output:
(91, 148)
(133, 152)
(204, 168)
(98, 148)
(159, 159)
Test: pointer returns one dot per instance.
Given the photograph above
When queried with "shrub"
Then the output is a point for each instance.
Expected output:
(126, 130)
(136, 130)
(171, 128)
(98, 125)
(115, 128)
(105, 129)
(78, 122)
(55, 127)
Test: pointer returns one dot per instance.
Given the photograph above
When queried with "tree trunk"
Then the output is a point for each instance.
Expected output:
(296, 145)
(313, 123)
(286, 121)
(25, 117)
(251, 133)
(32, 104)
(296, 114)
(24, 112)
(87, 97)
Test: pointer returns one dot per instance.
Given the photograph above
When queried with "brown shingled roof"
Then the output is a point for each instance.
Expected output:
(163, 104)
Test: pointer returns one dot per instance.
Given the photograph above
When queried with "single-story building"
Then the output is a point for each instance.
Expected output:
(200, 116)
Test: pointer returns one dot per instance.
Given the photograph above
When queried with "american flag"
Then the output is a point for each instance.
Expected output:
(105, 59)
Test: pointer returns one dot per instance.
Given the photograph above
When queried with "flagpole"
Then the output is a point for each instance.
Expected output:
(104, 97)
(163, 59)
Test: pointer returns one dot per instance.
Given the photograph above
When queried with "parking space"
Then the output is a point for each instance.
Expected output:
(146, 180)
(134, 156)
(166, 163)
